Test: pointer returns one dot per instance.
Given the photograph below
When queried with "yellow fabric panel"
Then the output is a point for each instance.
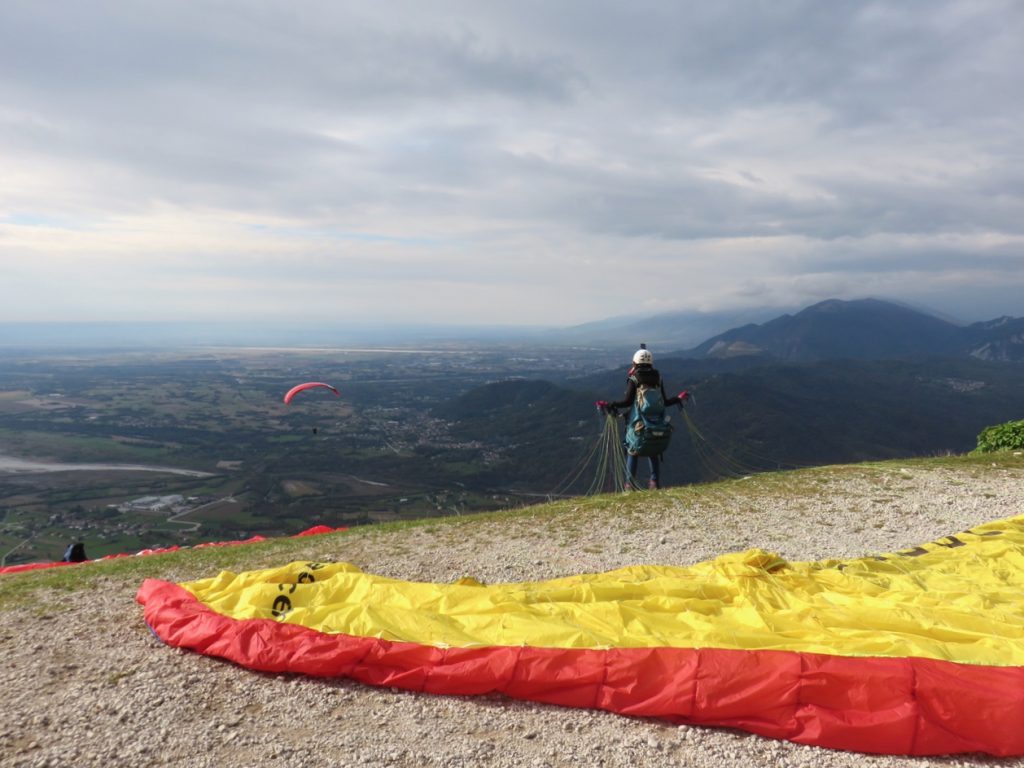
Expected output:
(960, 599)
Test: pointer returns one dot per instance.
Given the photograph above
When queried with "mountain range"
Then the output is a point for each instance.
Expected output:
(866, 329)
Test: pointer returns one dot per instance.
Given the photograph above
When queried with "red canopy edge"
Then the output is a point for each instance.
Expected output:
(308, 385)
(32, 566)
(316, 530)
(910, 706)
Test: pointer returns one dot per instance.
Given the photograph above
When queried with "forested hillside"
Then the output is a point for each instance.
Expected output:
(748, 416)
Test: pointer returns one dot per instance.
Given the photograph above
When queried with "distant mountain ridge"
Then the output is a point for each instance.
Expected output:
(866, 329)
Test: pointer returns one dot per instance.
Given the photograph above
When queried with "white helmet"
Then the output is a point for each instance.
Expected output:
(643, 357)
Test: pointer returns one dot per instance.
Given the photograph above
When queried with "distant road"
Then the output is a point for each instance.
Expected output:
(11, 465)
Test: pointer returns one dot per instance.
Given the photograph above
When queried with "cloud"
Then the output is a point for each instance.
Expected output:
(446, 159)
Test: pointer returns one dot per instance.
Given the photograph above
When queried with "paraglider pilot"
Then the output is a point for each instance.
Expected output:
(647, 429)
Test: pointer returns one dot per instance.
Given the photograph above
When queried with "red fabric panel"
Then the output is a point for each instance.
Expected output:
(895, 706)
(33, 566)
(316, 530)
(990, 700)
(251, 540)
(867, 705)
(140, 553)
(650, 682)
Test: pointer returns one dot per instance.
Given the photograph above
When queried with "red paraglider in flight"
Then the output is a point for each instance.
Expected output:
(308, 385)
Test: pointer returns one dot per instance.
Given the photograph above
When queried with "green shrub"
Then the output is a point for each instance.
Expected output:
(1002, 437)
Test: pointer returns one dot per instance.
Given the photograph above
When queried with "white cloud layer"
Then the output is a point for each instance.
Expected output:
(528, 162)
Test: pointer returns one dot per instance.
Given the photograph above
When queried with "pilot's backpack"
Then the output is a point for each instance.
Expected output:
(648, 432)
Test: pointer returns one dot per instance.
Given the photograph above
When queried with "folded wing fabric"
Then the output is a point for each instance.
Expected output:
(915, 652)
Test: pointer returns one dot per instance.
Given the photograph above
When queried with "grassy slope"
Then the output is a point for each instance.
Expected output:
(563, 519)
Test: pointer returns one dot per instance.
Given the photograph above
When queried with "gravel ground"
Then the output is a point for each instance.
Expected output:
(83, 682)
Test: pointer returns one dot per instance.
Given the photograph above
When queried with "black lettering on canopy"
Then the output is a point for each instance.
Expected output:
(915, 552)
(984, 533)
(281, 606)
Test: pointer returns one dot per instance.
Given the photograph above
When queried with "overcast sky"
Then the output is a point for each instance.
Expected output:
(507, 162)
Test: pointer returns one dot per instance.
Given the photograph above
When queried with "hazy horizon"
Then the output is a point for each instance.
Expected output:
(51, 334)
